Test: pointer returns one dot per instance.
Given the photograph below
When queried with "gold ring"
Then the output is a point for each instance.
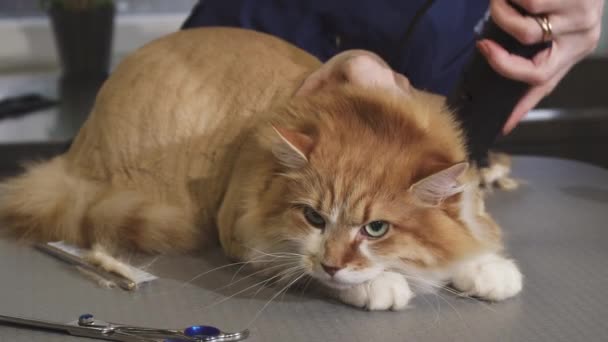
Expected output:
(545, 25)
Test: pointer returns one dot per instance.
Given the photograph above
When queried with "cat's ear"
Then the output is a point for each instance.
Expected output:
(440, 185)
(357, 67)
(293, 147)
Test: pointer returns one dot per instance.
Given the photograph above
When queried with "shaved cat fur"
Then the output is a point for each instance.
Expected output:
(229, 135)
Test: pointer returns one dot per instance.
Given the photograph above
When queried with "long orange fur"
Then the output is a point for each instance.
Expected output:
(180, 151)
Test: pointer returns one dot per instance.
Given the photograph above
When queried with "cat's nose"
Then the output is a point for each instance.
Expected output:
(331, 270)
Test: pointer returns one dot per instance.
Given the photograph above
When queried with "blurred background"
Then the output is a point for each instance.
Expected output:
(52, 63)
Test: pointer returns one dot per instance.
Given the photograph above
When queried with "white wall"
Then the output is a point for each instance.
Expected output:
(28, 43)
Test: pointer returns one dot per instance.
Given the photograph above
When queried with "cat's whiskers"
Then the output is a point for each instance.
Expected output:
(260, 259)
(437, 295)
(285, 274)
(233, 282)
(436, 309)
(147, 265)
(284, 289)
(461, 295)
(303, 275)
(275, 254)
(216, 269)
(308, 281)
(253, 261)
(280, 274)
(443, 287)
(432, 284)
(438, 302)
(184, 284)
(256, 258)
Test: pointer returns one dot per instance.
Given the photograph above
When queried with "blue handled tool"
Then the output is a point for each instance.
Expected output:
(88, 326)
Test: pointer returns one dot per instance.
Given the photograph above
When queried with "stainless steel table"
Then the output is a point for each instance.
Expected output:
(556, 226)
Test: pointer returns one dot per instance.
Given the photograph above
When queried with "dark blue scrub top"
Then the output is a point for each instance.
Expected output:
(432, 56)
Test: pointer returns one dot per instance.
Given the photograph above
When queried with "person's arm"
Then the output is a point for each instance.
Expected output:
(575, 28)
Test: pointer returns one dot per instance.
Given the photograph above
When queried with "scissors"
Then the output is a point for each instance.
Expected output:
(87, 326)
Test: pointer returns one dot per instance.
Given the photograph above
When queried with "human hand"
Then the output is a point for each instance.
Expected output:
(575, 27)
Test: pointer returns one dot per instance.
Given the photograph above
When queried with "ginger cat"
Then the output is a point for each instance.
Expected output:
(231, 135)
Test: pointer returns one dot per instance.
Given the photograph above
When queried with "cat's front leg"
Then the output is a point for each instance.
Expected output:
(389, 291)
(490, 276)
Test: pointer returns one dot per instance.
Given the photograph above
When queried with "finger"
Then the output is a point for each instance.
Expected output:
(530, 100)
(533, 71)
(528, 30)
(542, 6)
(402, 82)
(565, 16)
(525, 105)
(523, 28)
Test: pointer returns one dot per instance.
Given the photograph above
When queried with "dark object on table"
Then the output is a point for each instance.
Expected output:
(16, 106)
(83, 32)
(483, 99)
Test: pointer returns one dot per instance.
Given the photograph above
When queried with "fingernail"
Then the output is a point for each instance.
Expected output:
(483, 47)
(508, 128)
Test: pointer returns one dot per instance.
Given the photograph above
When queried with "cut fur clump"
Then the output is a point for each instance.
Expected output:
(190, 144)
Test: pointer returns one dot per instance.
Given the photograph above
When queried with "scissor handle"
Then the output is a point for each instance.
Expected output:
(195, 333)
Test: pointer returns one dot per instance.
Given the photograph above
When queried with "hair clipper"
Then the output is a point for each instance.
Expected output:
(482, 98)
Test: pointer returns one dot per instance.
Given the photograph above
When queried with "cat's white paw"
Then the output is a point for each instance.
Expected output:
(389, 291)
(490, 277)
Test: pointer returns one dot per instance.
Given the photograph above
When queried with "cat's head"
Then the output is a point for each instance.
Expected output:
(367, 179)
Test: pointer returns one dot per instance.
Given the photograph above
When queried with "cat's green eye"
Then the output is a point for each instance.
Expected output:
(314, 218)
(376, 229)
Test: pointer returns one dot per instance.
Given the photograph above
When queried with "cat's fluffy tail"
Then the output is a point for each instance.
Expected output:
(48, 203)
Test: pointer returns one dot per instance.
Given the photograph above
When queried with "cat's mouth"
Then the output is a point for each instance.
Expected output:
(340, 278)
(346, 278)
